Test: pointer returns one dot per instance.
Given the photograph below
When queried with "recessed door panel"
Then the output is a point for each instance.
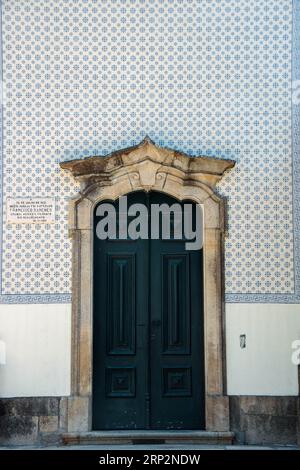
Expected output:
(175, 303)
(121, 304)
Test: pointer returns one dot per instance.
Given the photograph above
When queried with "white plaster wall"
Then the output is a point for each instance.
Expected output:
(264, 367)
(37, 340)
(37, 349)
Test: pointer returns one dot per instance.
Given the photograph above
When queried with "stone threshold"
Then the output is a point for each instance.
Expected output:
(148, 437)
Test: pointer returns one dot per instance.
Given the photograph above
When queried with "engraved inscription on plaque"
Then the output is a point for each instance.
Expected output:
(30, 211)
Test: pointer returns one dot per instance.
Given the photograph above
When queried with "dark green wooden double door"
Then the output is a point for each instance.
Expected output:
(148, 360)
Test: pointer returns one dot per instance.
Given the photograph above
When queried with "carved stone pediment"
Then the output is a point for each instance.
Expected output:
(147, 166)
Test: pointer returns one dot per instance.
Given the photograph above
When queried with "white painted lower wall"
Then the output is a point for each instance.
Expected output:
(265, 366)
(36, 345)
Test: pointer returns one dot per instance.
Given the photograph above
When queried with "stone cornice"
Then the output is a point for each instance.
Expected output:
(147, 161)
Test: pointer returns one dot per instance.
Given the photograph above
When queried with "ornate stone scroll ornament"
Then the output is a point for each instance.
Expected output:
(146, 167)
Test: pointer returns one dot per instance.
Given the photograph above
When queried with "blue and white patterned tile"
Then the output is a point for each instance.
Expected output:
(207, 77)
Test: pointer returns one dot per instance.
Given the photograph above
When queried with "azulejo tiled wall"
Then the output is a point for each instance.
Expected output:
(210, 77)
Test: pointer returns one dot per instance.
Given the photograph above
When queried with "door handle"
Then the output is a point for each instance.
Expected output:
(155, 323)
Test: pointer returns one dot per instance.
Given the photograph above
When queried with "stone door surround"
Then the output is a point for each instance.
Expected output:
(146, 167)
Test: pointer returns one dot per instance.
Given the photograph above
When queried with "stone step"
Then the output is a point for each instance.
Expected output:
(148, 437)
